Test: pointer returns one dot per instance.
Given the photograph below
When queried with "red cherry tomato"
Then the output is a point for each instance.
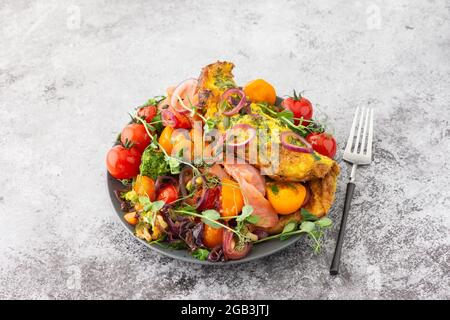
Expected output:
(136, 135)
(147, 113)
(323, 143)
(174, 119)
(123, 163)
(182, 121)
(168, 193)
(300, 107)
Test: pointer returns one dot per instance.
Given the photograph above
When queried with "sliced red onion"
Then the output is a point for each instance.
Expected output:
(168, 118)
(229, 247)
(209, 198)
(182, 180)
(307, 148)
(163, 179)
(216, 254)
(243, 126)
(180, 91)
(227, 94)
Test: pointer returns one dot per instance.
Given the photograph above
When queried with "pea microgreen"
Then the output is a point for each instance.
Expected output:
(150, 206)
(289, 227)
(210, 218)
(311, 225)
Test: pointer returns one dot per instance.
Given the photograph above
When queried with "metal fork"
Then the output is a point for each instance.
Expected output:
(358, 154)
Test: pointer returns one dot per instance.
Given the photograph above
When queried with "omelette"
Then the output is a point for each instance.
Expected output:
(316, 171)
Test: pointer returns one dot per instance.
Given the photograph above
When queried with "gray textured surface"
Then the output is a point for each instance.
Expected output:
(65, 89)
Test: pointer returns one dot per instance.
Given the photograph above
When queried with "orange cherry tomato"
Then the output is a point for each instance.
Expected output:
(286, 197)
(131, 218)
(145, 186)
(260, 90)
(165, 139)
(232, 199)
(212, 237)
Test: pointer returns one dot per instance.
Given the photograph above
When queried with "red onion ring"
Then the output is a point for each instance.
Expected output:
(168, 118)
(227, 94)
(292, 147)
(208, 197)
(243, 126)
(160, 181)
(229, 247)
(180, 92)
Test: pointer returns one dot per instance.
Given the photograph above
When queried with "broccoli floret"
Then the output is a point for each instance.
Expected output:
(153, 164)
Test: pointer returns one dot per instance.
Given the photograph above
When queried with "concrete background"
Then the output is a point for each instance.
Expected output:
(71, 70)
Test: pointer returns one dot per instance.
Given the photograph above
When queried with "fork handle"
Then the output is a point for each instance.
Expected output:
(334, 269)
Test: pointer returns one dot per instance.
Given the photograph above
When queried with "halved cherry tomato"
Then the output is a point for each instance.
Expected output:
(147, 113)
(145, 186)
(323, 143)
(182, 121)
(136, 135)
(232, 199)
(165, 139)
(286, 197)
(260, 90)
(123, 163)
(212, 237)
(300, 107)
(168, 193)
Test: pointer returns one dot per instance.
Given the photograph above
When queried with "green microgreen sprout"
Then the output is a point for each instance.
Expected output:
(310, 225)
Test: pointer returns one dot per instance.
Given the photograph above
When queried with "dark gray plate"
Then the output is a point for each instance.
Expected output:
(259, 250)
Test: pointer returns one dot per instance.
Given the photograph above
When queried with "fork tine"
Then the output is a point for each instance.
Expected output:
(366, 124)
(348, 147)
(358, 135)
(370, 138)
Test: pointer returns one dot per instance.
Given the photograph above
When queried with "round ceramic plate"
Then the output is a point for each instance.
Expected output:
(258, 251)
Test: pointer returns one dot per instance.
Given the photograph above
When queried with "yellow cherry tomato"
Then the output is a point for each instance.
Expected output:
(145, 186)
(212, 237)
(286, 197)
(232, 199)
(260, 90)
(165, 139)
